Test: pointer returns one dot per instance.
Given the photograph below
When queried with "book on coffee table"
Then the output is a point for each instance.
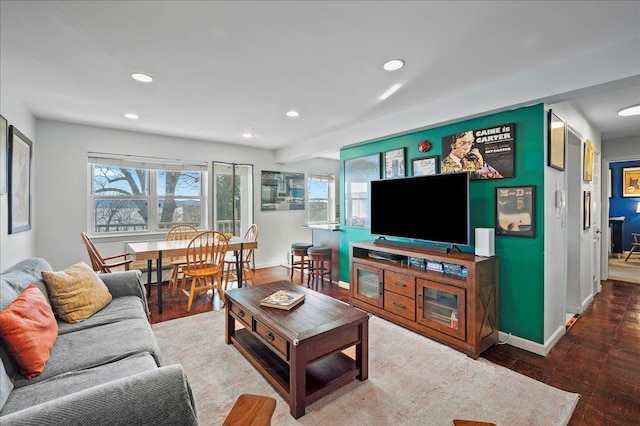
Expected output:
(283, 299)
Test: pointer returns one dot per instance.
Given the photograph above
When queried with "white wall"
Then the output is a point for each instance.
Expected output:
(62, 188)
(561, 239)
(15, 247)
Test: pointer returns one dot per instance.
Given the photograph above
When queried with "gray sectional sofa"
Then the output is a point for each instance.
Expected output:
(105, 370)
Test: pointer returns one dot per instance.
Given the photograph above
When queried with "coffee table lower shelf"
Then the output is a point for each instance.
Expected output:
(323, 375)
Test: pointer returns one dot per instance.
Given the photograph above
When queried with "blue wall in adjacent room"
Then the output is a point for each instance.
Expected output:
(624, 206)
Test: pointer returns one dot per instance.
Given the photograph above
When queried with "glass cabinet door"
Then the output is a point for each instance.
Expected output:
(442, 307)
(368, 284)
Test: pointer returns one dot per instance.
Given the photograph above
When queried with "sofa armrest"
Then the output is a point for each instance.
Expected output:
(160, 396)
(126, 283)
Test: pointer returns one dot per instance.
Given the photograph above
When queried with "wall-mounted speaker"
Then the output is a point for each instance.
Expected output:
(485, 242)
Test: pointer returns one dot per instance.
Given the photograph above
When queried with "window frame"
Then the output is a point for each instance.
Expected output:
(331, 197)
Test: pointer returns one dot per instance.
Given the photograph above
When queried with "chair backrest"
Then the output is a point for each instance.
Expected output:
(181, 232)
(205, 250)
(250, 235)
(97, 262)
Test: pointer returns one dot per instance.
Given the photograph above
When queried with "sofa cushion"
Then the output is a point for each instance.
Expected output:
(120, 309)
(76, 381)
(15, 279)
(77, 292)
(28, 328)
(6, 386)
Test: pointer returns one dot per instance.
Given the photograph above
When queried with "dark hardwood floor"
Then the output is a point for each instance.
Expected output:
(599, 357)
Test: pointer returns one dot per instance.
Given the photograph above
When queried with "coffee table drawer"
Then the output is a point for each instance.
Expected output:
(242, 315)
(279, 345)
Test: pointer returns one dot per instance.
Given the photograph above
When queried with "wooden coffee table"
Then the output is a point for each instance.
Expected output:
(299, 351)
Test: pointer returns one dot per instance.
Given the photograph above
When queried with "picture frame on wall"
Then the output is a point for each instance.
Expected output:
(19, 181)
(515, 211)
(631, 181)
(425, 166)
(4, 134)
(282, 191)
(587, 210)
(587, 167)
(358, 174)
(557, 144)
(394, 163)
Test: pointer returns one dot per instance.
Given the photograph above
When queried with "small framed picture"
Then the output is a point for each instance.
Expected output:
(4, 131)
(515, 211)
(557, 141)
(631, 181)
(19, 182)
(587, 210)
(425, 166)
(394, 164)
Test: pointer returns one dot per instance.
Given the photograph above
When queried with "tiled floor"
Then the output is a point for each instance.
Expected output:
(599, 357)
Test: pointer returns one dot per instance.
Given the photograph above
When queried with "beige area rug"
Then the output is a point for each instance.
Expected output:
(412, 381)
(628, 271)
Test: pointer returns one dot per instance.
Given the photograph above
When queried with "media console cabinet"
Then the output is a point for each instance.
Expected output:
(451, 298)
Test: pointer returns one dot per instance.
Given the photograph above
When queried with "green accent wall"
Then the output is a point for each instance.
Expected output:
(521, 296)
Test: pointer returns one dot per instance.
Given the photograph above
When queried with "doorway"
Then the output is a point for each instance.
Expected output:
(232, 197)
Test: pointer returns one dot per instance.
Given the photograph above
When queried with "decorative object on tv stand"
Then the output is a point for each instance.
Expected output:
(19, 181)
(485, 242)
(515, 211)
(631, 181)
(394, 163)
(557, 141)
(425, 166)
(424, 146)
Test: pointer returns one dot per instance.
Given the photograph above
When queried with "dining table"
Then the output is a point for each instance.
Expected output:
(150, 250)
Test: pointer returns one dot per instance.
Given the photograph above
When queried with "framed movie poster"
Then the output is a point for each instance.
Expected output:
(4, 131)
(515, 211)
(425, 166)
(557, 141)
(587, 210)
(394, 163)
(19, 182)
(358, 174)
(485, 153)
(631, 181)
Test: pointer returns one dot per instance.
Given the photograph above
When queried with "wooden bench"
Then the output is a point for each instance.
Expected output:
(251, 410)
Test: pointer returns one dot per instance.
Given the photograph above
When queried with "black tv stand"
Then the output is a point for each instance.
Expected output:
(383, 242)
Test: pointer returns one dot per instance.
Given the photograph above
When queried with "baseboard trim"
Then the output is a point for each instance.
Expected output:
(344, 284)
(534, 347)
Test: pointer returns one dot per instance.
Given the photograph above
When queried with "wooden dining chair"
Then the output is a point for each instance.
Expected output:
(634, 245)
(246, 259)
(105, 265)
(204, 265)
(178, 232)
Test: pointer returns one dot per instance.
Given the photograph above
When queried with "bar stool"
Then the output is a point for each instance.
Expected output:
(318, 255)
(299, 250)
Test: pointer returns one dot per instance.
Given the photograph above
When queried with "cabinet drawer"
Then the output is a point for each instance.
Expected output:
(400, 283)
(279, 345)
(400, 305)
(243, 316)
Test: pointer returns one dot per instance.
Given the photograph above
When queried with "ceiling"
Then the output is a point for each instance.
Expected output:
(225, 68)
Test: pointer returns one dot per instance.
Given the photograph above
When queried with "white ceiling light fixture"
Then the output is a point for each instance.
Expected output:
(393, 64)
(132, 116)
(145, 78)
(393, 89)
(630, 110)
(247, 135)
(293, 114)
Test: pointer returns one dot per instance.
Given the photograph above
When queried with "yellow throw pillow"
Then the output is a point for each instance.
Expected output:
(77, 292)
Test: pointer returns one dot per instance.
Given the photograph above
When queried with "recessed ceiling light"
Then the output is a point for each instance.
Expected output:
(391, 91)
(247, 135)
(145, 78)
(632, 110)
(132, 116)
(393, 64)
(293, 114)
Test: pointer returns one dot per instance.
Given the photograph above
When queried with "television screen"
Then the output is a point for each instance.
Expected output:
(432, 208)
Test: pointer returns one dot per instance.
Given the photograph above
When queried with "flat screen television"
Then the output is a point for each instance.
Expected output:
(432, 208)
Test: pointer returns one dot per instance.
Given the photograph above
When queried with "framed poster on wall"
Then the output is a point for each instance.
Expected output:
(557, 141)
(425, 166)
(19, 181)
(282, 191)
(631, 181)
(587, 210)
(515, 211)
(394, 163)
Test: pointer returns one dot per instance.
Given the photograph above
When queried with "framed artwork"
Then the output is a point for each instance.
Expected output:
(282, 191)
(557, 144)
(3, 154)
(587, 210)
(631, 181)
(19, 181)
(486, 153)
(588, 161)
(425, 166)
(394, 164)
(358, 174)
(515, 211)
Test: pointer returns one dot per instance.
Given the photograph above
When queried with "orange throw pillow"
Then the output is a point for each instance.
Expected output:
(29, 330)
